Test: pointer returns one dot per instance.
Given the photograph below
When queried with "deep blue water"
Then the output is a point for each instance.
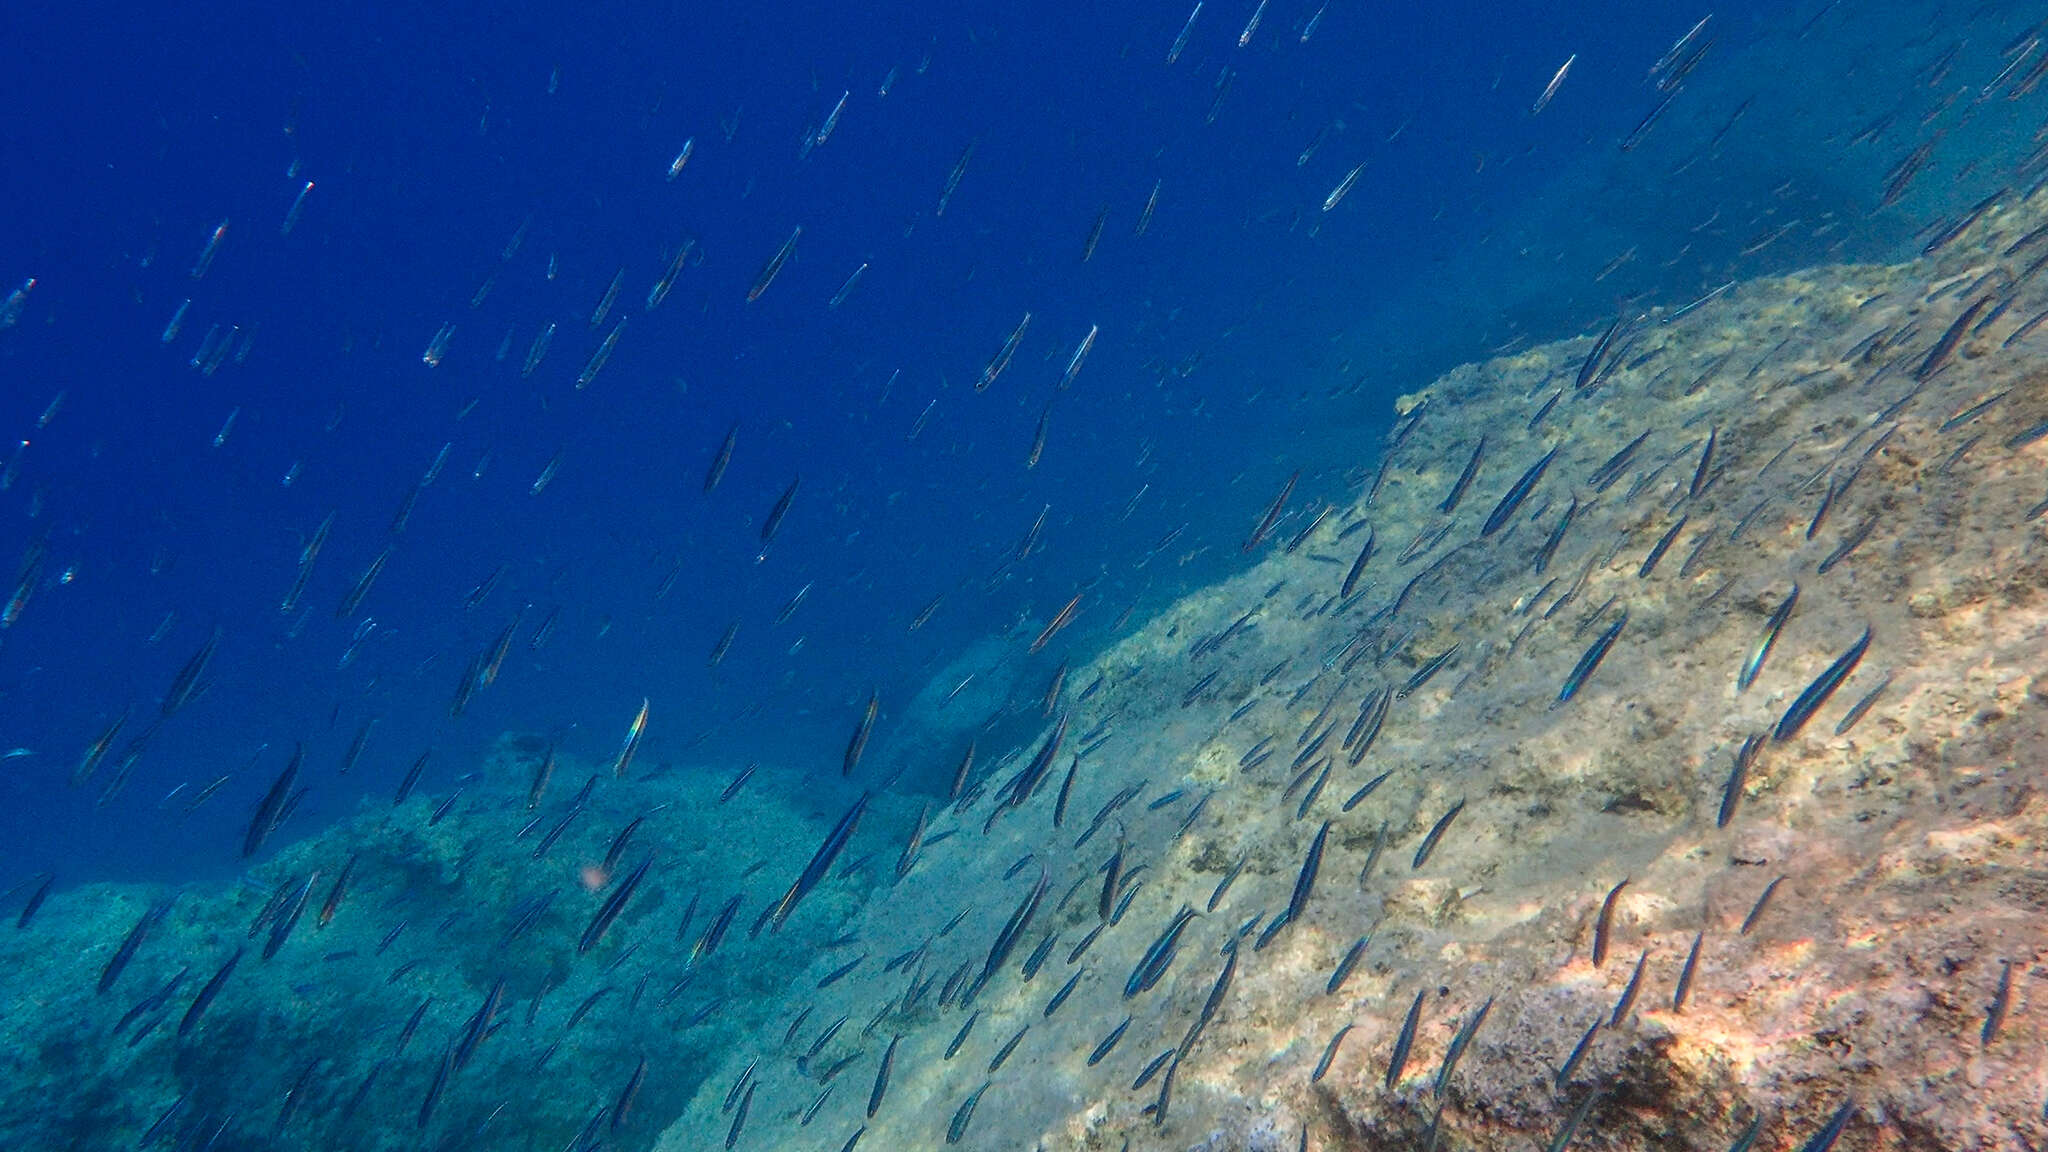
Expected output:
(1246, 335)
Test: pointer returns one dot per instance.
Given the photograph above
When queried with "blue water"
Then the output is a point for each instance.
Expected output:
(275, 268)
(1247, 334)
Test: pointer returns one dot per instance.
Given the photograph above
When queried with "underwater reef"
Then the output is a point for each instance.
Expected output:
(1645, 756)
